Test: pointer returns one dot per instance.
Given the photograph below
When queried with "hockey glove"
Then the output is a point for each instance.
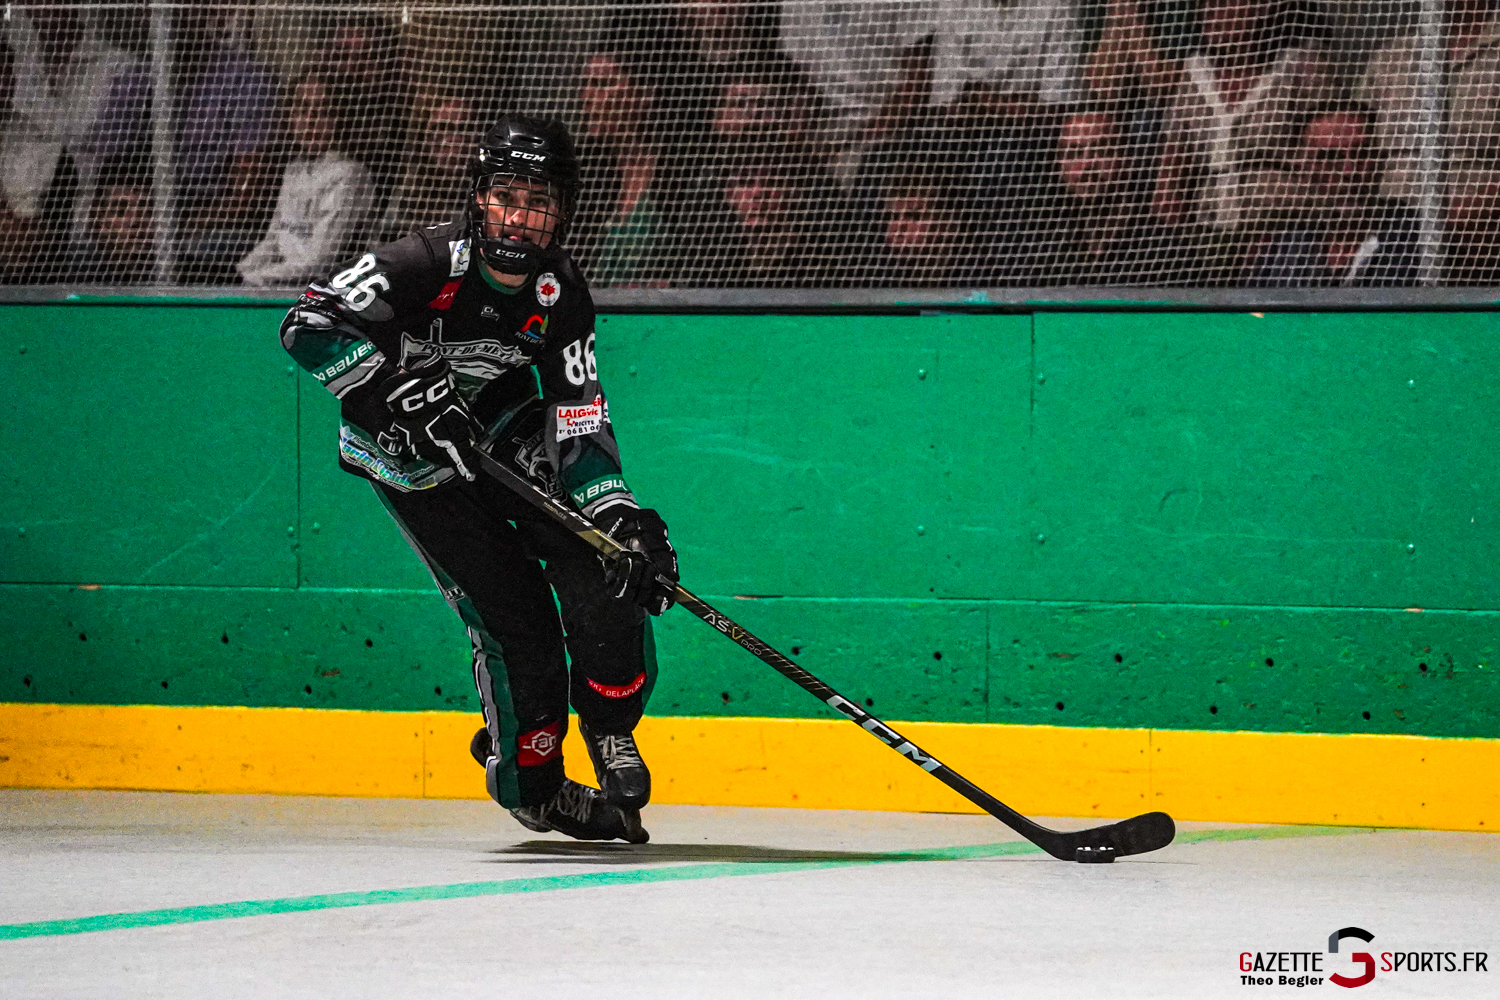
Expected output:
(646, 573)
(429, 419)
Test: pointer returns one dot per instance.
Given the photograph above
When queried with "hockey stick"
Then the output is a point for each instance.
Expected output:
(1137, 835)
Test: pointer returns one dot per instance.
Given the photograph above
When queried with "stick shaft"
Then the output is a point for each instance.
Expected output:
(767, 654)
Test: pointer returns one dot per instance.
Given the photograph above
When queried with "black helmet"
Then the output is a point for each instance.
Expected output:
(526, 148)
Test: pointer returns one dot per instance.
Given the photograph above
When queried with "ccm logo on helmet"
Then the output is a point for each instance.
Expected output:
(534, 157)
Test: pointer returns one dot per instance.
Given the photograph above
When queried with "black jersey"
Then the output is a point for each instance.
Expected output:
(420, 296)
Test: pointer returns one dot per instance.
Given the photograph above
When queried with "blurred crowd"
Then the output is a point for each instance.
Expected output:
(837, 144)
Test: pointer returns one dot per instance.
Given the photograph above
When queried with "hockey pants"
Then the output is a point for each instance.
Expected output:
(498, 563)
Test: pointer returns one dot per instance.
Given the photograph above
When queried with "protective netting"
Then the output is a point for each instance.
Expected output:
(800, 144)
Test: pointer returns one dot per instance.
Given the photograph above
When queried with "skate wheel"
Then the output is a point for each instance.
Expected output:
(1094, 855)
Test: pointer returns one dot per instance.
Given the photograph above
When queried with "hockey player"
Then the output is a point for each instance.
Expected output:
(436, 346)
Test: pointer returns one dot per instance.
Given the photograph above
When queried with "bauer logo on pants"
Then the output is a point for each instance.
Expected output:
(539, 745)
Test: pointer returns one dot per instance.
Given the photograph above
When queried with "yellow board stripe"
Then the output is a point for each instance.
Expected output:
(1350, 780)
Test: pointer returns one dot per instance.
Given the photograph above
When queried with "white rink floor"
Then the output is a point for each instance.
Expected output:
(722, 903)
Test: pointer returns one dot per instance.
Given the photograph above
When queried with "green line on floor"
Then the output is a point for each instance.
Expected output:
(552, 883)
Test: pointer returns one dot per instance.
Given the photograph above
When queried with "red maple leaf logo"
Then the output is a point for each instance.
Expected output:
(548, 288)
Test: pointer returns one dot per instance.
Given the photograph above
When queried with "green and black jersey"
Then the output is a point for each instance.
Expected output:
(419, 296)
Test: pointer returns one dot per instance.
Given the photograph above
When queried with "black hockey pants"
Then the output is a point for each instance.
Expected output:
(486, 548)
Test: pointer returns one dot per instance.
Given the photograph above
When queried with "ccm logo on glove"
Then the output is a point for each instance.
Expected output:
(430, 419)
(417, 401)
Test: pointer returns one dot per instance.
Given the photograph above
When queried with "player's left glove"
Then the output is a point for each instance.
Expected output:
(646, 574)
(429, 419)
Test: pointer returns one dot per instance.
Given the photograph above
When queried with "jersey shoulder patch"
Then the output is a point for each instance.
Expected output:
(563, 286)
(548, 289)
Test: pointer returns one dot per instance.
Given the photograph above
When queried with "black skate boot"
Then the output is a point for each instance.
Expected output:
(618, 765)
(481, 746)
(582, 813)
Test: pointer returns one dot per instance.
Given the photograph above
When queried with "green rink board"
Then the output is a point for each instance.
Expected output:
(957, 517)
(1285, 459)
(1180, 666)
(147, 446)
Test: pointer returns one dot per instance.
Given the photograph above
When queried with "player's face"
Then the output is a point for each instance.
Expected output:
(521, 209)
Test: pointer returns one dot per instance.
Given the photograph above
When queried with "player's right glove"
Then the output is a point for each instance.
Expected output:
(646, 574)
(429, 419)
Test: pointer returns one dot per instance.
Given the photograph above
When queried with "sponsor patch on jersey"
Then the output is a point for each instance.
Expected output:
(458, 255)
(540, 745)
(445, 297)
(488, 312)
(576, 421)
(622, 691)
(535, 328)
(547, 289)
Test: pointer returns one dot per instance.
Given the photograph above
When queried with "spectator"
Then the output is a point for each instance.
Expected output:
(1470, 173)
(723, 39)
(852, 50)
(878, 62)
(122, 249)
(1007, 212)
(435, 184)
(1138, 60)
(1031, 49)
(785, 220)
(922, 234)
(360, 59)
(730, 32)
(78, 102)
(35, 210)
(769, 95)
(624, 234)
(225, 162)
(766, 103)
(1137, 67)
(1229, 126)
(1105, 217)
(324, 200)
(1350, 237)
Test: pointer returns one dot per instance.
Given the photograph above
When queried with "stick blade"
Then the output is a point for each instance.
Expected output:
(1138, 835)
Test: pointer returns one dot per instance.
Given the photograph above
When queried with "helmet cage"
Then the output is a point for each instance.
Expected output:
(543, 227)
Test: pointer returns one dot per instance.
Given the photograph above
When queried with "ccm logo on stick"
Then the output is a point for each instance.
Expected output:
(886, 735)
